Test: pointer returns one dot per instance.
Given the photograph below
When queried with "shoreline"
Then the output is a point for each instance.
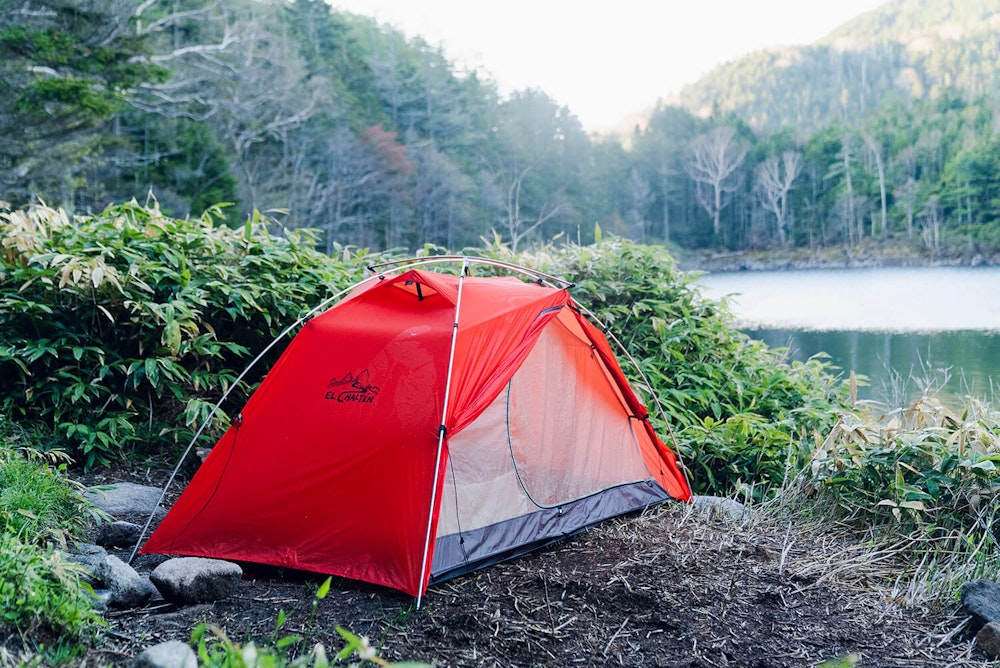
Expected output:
(750, 261)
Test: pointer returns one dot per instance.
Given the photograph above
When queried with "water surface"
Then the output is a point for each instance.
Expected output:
(907, 329)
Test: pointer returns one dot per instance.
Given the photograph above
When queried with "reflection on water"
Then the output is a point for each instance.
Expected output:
(901, 366)
(907, 330)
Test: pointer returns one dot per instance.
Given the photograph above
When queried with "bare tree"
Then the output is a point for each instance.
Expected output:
(850, 201)
(876, 151)
(906, 195)
(907, 192)
(442, 193)
(775, 177)
(520, 224)
(931, 232)
(714, 157)
(640, 197)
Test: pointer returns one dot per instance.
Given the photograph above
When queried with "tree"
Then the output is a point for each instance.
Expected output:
(639, 198)
(714, 158)
(876, 151)
(775, 177)
(931, 232)
(660, 152)
(518, 223)
(443, 199)
(66, 67)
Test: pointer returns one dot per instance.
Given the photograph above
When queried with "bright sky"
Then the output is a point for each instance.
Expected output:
(603, 59)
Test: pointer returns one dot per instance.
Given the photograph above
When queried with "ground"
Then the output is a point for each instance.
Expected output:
(672, 586)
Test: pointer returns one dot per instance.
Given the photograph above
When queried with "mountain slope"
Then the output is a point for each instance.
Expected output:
(911, 49)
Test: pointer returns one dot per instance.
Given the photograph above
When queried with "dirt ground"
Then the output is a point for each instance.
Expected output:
(673, 586)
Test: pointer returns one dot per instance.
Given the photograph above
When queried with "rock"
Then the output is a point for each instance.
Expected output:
(89, 556)
(720, 506)
(125, 498)
(128, 589)
(982, 600)
(118, 533)
(171, 654)
(988, 640)
(196, 580)
(101, 599)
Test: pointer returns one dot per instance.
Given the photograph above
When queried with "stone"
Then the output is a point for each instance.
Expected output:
(981, 599)
(125, 498)
(89, 556)
(988, 640)
(127, 588)
(118, 533)
(189, 580)
(720, 506)
(170, 654)
(101, 599)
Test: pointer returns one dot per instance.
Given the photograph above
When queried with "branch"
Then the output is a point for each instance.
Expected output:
(227, 41)
(168, 20)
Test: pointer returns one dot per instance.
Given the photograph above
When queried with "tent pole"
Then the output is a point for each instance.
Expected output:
(403, 265)
(225, 395)
(441, 434)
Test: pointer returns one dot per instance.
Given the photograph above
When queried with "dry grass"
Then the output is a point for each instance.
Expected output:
(673, 586)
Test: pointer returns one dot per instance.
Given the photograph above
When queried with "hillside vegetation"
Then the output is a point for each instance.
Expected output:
(879, 140)
(905, 50)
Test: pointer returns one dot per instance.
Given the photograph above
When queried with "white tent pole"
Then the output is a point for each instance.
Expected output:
(225, 395)
(403, 265)
(441, 433)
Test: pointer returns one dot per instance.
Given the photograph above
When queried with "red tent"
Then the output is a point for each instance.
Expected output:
(356, 449)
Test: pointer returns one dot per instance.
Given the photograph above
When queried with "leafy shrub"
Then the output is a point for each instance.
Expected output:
(37, 502)
(741, 414)
(42, 596)
(128, 325)
(924, 470)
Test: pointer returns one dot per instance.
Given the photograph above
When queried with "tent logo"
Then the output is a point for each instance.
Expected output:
(352, 388)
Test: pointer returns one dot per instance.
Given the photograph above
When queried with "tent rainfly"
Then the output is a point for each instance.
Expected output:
(425, 426)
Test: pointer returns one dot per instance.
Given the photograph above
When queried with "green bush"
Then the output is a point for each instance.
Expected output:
(741, 415)
(42, 597)
(38, 503)
(127, 326)
(924, 470)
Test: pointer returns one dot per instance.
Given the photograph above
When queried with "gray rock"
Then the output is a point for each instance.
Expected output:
(171, 654)
(100, 601)
(988, 640)
(196, 580)
(982, 600)
(118, 533)
(89, 556)
(125, 498)
(720, 506)
(128, 589)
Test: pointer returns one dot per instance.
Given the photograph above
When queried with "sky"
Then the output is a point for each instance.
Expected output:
(606, 60)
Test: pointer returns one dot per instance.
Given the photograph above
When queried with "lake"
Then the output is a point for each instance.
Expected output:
(909, 330)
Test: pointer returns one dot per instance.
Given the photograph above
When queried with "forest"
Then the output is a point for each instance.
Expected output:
(881, 138)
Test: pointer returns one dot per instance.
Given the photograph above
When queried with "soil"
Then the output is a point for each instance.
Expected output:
(672, 586)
